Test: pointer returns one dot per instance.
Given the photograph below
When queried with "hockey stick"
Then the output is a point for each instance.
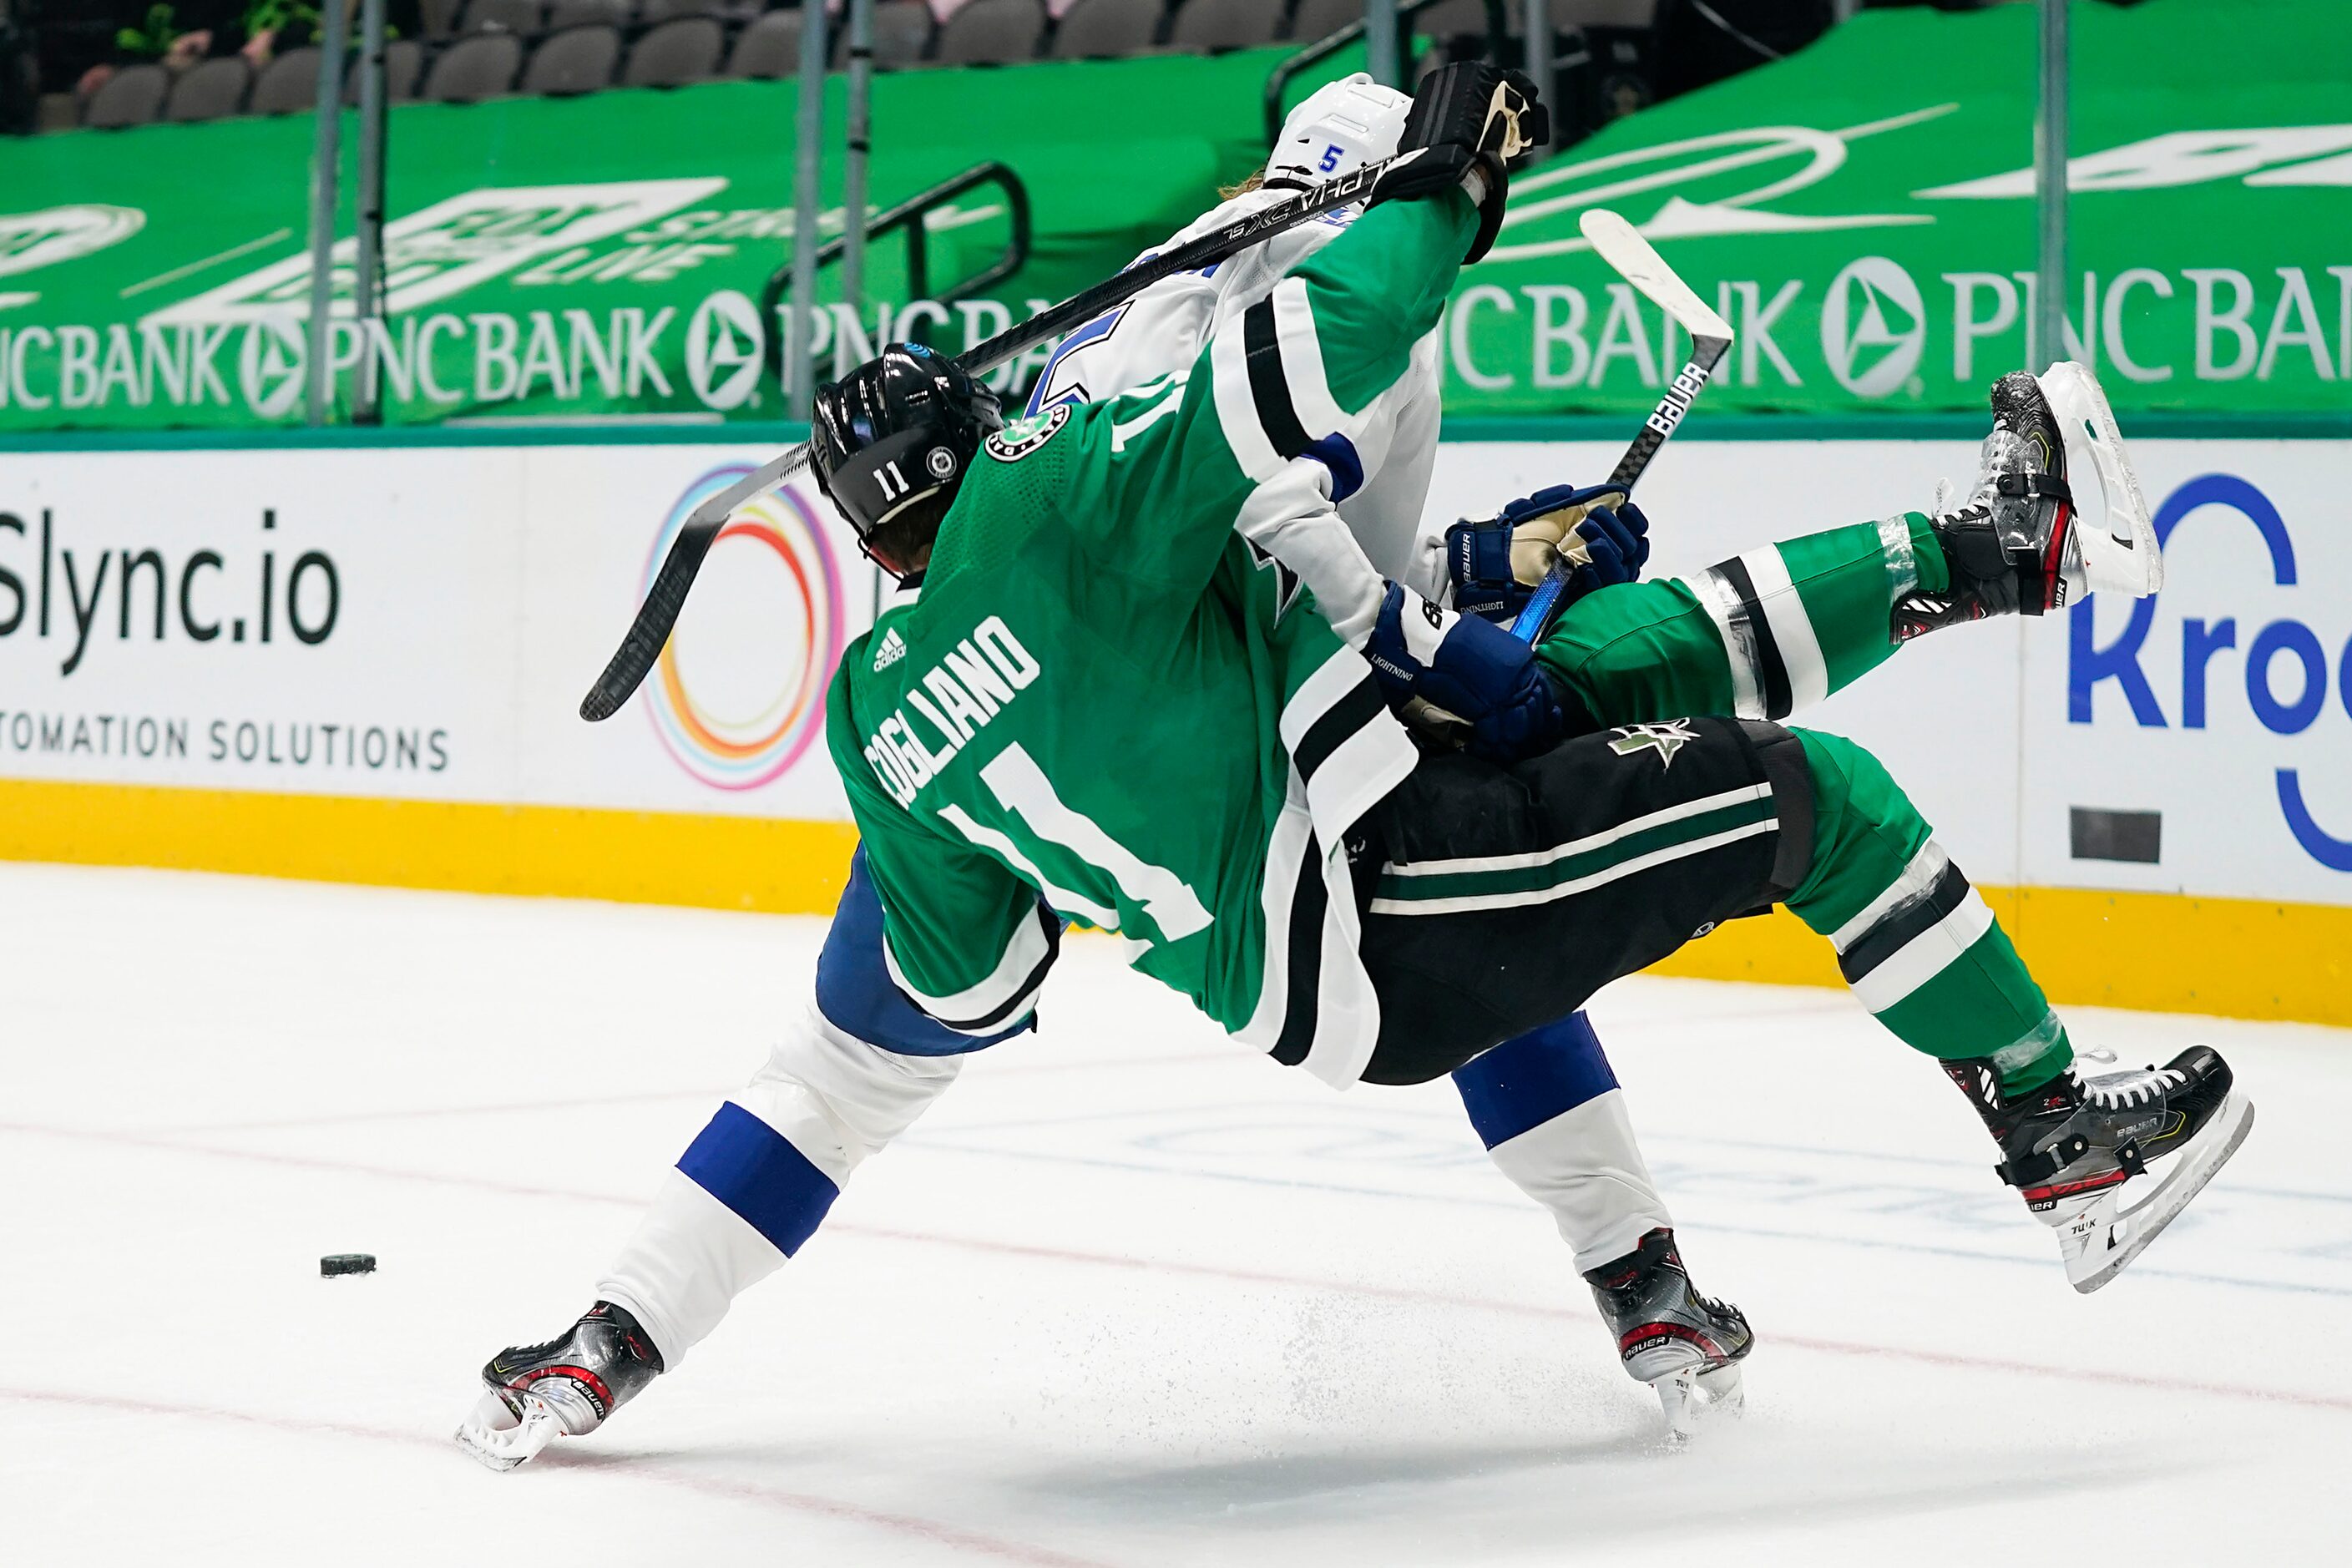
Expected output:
(655, 617)
(1616, 242)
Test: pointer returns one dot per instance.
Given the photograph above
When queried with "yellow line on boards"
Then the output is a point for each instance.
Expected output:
(2235, 957)
(633, 856)
(2169, 953)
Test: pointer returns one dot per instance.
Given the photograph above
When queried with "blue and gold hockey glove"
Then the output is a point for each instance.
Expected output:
(1495, 562)
(1467, 668)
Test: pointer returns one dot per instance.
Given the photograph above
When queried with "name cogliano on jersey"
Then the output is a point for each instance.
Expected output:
(956, 697)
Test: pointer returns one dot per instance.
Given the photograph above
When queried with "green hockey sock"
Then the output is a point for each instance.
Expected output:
(1760, 636)
(1918, 945)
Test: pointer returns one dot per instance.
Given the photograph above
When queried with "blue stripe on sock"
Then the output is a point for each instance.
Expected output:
(1521, 1084)
(754, 1170)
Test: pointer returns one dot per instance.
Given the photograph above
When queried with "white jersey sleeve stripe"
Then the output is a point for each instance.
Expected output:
(1319, 413)
(1005, 994)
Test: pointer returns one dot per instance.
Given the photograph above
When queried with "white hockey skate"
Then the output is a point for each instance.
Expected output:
(2116, 543)
(532, 1394)
(1685, 1346)
(496, 1436)
(2078, 1146)
(2057, 511)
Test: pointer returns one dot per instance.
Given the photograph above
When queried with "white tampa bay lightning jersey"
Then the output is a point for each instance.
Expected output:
(1162, 331)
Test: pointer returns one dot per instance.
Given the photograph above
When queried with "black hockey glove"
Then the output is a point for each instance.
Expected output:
(1495, 562)
(1472, 123)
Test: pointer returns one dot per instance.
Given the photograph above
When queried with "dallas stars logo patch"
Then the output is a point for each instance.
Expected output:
(1664, 739)
(1288, 583)
(1020, 437)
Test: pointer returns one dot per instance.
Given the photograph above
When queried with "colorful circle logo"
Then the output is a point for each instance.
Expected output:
(776, 660)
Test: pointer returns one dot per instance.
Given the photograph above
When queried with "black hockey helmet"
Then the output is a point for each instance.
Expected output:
(892, 439)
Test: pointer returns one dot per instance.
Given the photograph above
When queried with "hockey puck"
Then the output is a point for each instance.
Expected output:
(336, 1263)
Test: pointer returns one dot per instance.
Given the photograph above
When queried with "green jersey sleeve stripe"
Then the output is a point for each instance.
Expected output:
(1008, 991)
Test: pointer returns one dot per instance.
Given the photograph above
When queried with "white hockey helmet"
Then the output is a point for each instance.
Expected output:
(1341, 127)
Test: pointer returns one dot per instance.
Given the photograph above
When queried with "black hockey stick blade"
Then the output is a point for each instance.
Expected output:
(657, 617)
(667, 598)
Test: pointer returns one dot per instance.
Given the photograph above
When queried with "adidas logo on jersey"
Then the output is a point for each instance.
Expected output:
(893, 649)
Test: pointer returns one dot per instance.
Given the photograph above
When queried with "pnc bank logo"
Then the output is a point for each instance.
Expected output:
(1873, 327)
(724, 348)
(739, 694)
(270, 365)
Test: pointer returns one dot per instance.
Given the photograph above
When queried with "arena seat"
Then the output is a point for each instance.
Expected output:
(769, 48)
(565, 14)
(1095, 28)
(504, 16)
(684, 49)
(132, 96)
(474, 68)
(1225, 24)
(902, 34)
(990, 32)
(576, 60)
(288, 85)
(209, 89)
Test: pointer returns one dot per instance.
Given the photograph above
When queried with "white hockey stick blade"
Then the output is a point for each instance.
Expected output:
(1616, 242)
(2125, 1235)
(493, 1437)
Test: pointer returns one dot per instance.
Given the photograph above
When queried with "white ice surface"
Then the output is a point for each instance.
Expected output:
(1127, 1298)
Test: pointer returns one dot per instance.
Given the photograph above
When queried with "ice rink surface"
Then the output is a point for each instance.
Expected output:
(1126, 1297)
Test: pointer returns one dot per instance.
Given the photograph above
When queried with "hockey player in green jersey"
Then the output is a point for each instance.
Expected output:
(1104, 691)
(1100, 694)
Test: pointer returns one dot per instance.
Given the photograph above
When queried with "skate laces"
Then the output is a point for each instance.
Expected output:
(2129, 1090)
(2003, 452)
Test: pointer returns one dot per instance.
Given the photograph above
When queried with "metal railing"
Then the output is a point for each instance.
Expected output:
(909, 218)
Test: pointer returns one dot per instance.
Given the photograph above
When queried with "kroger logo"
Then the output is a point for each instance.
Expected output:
(739, 694)
(2284, 664)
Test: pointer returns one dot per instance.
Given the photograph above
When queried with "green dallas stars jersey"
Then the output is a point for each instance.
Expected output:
(1110, 699)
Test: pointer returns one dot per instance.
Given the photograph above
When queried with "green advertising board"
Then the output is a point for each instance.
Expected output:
(1864, 215)
(553, 258)
(1862, 212)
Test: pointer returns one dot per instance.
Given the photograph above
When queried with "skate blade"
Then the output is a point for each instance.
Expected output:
(2120, 555)
(504, 1447)
(2127, 1234)
(1695, 1400)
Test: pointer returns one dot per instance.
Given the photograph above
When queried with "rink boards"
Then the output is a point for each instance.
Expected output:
(363, 662)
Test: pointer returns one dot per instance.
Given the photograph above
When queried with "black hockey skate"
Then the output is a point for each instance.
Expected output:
(2020, 544)
(532, 1394)
(2073, 1146)
(1678, 1342)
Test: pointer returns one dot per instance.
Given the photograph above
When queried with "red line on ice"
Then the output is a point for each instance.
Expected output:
(631, 1469)
(1222, 1271)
